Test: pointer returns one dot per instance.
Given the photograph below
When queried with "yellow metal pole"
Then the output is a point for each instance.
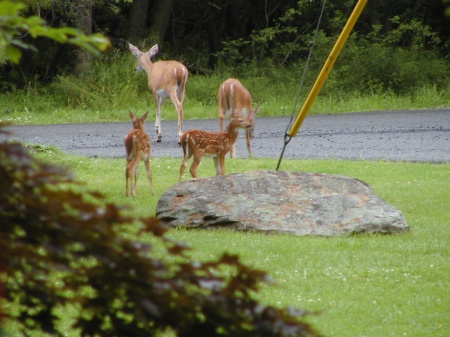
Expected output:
(327, 67)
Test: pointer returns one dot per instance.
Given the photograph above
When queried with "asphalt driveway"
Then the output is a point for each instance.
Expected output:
(418, 136)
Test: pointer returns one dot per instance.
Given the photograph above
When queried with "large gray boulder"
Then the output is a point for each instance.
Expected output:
(280, 202)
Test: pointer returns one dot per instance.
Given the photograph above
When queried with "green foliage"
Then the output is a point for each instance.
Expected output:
(390, 62)
(64, 247)
(387, 56)
(111, 83)
(414, 35)
(244, 35)
(13, 25)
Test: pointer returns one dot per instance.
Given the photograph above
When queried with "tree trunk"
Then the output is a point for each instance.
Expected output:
(161, 18)
(83, 18)
(138, 20)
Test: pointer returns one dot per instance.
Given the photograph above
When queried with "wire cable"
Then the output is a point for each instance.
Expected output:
(312, 43)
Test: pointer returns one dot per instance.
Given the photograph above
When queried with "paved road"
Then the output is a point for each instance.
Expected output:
(422, 135)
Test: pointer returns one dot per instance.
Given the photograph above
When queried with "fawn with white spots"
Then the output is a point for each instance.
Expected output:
(200, 143)
(137, 148)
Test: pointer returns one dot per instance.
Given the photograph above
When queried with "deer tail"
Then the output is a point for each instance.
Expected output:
(132, 152)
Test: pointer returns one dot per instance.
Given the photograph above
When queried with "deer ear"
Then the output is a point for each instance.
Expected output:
(153, 50)
(134, 50)
(144, 116)
(131, 114)
(254, 112)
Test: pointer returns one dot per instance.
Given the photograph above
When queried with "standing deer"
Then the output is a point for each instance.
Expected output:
(198, 143)
(234, 99)
(165, 79)
(137, 147)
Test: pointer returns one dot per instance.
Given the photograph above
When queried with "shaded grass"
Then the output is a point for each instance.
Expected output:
(361, 285)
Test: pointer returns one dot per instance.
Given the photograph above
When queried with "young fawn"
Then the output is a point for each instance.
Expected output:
(137, 147)
(198, 143)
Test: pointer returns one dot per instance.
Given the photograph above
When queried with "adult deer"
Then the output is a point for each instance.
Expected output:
(234, 99)
(200, 143)
(165, 79)
(137, 147)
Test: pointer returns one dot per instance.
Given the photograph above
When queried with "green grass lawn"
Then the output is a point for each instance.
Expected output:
(395, 285)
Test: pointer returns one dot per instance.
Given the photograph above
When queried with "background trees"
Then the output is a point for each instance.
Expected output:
(210, 35)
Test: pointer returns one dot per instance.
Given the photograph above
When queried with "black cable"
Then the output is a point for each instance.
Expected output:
(312, 43)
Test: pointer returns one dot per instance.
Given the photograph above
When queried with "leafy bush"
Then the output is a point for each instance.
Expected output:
(401, 61)
(63, 249)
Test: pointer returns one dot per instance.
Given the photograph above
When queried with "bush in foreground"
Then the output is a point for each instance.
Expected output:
(61, 250)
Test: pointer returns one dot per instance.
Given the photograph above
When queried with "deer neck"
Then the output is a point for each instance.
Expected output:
(232, 134)
(147, 65)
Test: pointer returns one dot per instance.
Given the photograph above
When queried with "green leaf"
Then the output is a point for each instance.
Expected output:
(78, 41)
(34, 21)
(55, 34)
(8, 8)
(101, 42)
(13, 53)
(70, 31)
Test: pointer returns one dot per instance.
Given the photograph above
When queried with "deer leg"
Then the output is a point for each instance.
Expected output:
(127, 178)
(195, 165)
(180, 122)
(233, 151)
(181, 93)
(183, 165)
(130, 169)
(247, 138)
(221, 159)
(149, 174)
(133, 172)
(216, 164)
(136, 176)
(136, 172)
(221, 117)
(179, 107)
(159, 101)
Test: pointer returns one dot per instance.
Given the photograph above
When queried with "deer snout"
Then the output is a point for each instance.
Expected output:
(250, 125)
